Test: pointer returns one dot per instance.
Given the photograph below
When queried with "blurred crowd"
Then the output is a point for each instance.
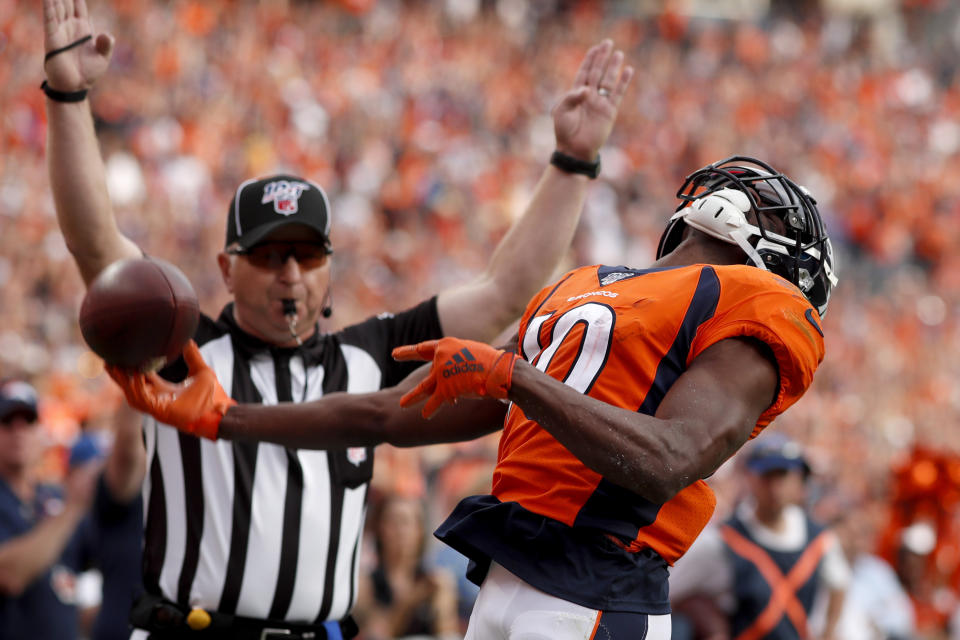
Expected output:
(428, 123)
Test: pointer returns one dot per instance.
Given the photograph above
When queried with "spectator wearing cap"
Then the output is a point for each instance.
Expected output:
(247, 540)
(762, 574)
(44, 538)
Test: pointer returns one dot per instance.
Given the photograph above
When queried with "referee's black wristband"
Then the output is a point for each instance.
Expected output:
(63, 96)
(569, 164)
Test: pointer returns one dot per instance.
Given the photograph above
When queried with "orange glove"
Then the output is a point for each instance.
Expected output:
(461, 368)
(195, 407)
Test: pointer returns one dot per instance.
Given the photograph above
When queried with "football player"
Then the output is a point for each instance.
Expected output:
(626, 388)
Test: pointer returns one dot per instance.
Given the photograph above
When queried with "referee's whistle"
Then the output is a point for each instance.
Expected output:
(290, 313)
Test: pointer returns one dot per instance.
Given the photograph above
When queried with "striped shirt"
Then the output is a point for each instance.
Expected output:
(257, 529)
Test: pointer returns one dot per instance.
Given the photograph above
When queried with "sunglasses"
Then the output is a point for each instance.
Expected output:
(274, 255)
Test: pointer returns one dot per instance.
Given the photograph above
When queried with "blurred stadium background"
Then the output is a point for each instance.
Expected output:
(428, 124)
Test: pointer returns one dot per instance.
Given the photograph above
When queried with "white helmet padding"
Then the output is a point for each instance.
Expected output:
(722, 215)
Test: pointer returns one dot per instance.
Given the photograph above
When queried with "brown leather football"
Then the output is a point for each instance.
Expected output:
(139, 313)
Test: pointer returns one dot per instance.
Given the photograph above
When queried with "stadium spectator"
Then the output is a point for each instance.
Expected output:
(761, 573)
(876, 603)
(44, 536)
(403, 596)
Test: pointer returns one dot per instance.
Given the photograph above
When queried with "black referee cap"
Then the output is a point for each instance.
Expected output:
(262, 206)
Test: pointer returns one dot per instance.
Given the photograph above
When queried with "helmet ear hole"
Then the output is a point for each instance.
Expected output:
(773, 261)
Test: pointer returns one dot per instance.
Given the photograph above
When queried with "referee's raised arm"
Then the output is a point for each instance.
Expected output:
(535, 245)
(75, 58)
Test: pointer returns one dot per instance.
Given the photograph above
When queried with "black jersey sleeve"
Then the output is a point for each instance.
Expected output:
(381, 334)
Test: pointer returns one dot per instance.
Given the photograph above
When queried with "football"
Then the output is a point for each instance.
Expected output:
(138, 313)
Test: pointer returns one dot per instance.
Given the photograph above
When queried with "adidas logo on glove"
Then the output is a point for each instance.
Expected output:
(462, 362)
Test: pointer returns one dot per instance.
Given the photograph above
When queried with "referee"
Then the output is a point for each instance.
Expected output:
(258, 540)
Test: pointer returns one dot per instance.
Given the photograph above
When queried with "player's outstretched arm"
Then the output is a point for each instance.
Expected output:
(705, 417)
(202, 408)
(533, 248)
(73, 156)
(361, 419)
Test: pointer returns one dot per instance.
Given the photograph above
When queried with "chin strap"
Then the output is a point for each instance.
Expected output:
(740, 237)
(827, 269)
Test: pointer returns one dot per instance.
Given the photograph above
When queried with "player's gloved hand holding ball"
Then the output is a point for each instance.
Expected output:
(461, 368)
(196, 407)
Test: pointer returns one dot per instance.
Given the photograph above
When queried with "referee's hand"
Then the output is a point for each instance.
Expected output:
(73, 68)
(196, 406)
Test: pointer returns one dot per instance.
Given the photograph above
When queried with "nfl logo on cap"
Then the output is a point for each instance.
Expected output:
(285, 195)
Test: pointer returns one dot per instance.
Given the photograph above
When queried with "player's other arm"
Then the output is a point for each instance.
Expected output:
(201, 407)
(707, 414)
(534, 246)
(73, 155)
(704, 418)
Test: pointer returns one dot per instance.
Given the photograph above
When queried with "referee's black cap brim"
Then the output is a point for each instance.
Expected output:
(307, 233)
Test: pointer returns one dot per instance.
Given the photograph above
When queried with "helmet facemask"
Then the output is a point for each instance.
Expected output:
(746, 202)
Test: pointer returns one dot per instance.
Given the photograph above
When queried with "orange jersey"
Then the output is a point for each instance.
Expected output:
(625, 336)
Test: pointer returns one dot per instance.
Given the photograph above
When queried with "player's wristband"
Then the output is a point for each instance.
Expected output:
(569, 164)
(63, 96)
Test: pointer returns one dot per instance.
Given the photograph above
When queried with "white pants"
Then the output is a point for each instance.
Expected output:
(507, 608)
